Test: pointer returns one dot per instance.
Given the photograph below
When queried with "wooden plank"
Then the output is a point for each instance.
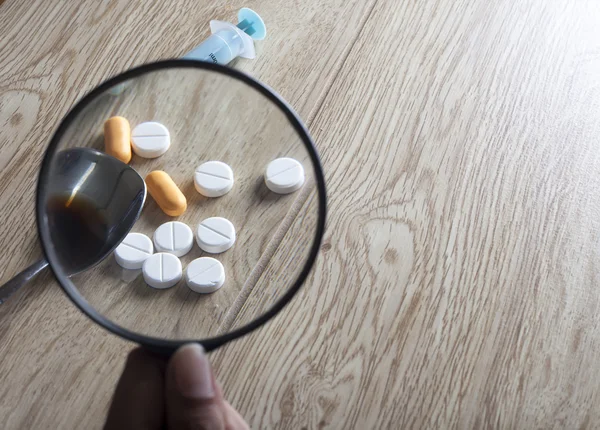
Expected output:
(457, 284)
(53, 357)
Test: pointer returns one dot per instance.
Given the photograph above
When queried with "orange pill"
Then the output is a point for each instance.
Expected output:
(117, 138)
(166, 194)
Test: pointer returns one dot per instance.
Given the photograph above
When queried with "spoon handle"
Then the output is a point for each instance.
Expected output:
(21, 279)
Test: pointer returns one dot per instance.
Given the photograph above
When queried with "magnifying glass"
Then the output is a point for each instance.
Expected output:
(212, 113)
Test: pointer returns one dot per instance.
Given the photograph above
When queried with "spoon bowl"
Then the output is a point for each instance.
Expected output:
(92, 201)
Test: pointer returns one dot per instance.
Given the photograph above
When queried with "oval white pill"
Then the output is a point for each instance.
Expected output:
(174, 237)
(162, 270)
(215, 235)
(284, 175)
(133, 251)
(205, 275)
(213, 179)
(150, 139)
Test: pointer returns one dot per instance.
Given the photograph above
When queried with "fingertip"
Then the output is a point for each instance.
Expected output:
(193, 400)
(190, 348)
(192, 373)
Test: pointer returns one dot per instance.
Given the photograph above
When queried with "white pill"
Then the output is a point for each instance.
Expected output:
(150, 139)
(215, 235)
(205, 275)
(162, 270)
(174, 237)
(133, 251)
(213, 179)
(284, 175)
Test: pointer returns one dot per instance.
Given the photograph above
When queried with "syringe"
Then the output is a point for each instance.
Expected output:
(229, 41)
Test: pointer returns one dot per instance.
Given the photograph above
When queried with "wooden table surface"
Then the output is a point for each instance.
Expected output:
(457, 286)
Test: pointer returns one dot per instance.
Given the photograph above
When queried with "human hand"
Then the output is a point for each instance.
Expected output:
(180, 393)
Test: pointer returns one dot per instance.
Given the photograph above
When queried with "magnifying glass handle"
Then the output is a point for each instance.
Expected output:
(21, 279)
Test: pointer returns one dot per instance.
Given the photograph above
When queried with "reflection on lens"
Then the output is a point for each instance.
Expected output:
(211, 120)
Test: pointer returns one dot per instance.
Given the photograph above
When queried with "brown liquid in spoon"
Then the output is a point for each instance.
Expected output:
(79, 232)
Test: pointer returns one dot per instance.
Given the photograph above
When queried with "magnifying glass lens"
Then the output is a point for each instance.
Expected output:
(209, 116)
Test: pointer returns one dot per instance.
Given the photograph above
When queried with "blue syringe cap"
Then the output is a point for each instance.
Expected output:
(252, 24)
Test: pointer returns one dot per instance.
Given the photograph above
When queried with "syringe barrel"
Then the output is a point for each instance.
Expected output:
(220, 48)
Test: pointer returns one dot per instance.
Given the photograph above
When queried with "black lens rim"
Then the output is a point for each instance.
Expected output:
(159, 345)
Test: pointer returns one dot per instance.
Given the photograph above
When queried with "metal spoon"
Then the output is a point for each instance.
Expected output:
(91, 203)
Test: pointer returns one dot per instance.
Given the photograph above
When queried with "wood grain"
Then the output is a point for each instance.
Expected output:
(456, 287)
(457, 284)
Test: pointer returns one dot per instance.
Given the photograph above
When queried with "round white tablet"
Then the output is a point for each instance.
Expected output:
(174, 237)
(133, 251)
(215, 235)
(205, 275)
(284, 175)
(150, 139)
(213, 179)
(162, 270)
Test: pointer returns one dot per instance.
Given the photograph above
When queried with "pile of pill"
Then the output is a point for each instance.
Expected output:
(175, 239)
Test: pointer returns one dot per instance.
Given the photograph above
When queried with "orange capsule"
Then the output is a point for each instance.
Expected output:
(166, 194)
(117, 138)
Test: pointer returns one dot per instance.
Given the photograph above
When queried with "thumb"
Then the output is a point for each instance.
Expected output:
(193, 399)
